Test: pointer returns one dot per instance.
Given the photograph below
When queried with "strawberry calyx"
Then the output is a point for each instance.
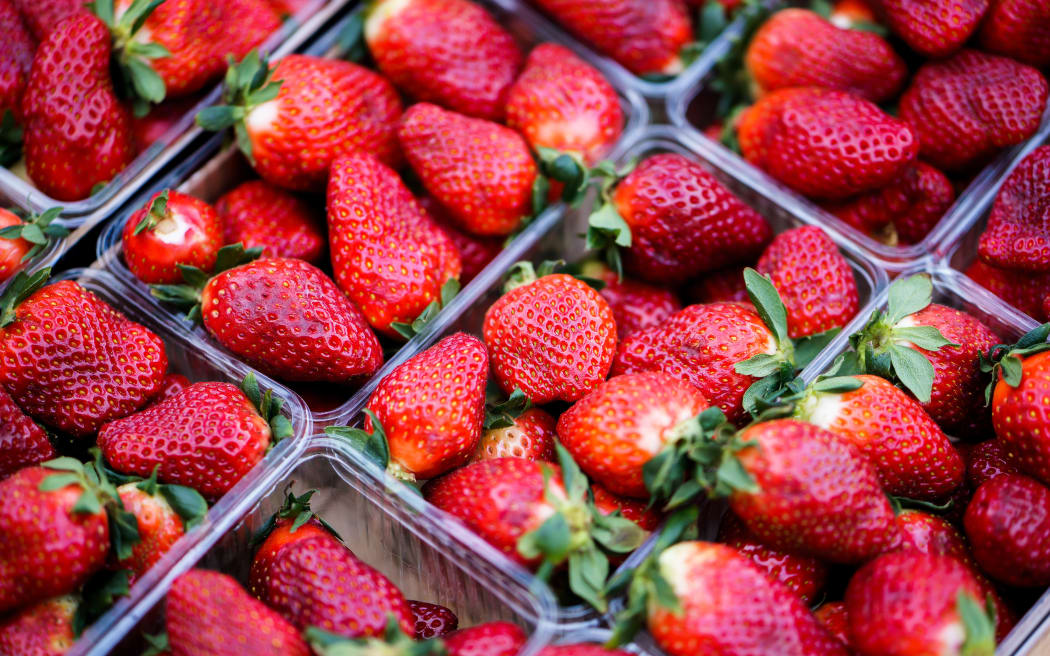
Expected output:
(502, 413)
(979, 623)
(11, 135)
(187, 296)
(578, 533)
(269, 408)
(22, 286)
(374, 445)
(1004, 361)
(248, 84)
(156, 212)
(157, 644)
(523, 273)
(37, 229)
(448, 292)
(394, 642)
(298, 510)
(187, 503)
(569, 169)
(135, 78)
(607, 231)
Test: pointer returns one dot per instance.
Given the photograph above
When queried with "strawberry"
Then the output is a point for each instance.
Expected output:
(679, 221)
(1019, 29)
(621, 425)
(43, 629)
(581, 649)
(22, 442)
(964, 109)
(210, 613)
(42, 16)
(538, 515)
(21, 241)
(425, 416)
(561, 352)
(1008, 523)
(1017, 235)
(258, 214)
(987, 460)
(448, 52)
(933, 28)
(635, 510)
(475, 252)
(562, 103)
(170, 385)
(173, 229)
(722, 286)
(910, 603)
(16, 58)
(1022, 289)
(489, 639)
(432, 620)
(805, 576)
(74, 384)
(814, 280)
(387, 254)
(294, 119)
(644, 36)
(353, 600)
(206, 437)
(529, 435)
(480, 171)
(912, 205)
(160, 122)
(825, 143)
(800, 48)
(834, 617)
(1021, 379)
(930, 534)
(635, 305)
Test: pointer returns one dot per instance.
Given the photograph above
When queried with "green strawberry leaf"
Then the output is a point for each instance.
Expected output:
(979, 626)
(551, 540)
(907, 296)
(447, 293)
(914, 371)
(123, 529)
(98, 595)
(351, 38)
(770, 308)
(541, 188)
(372, 445)
(155, 213)
(607, 233)
(759, 366)
(837, 384)
(502, 414)
(807, 348)
(22, 287)
(588, 570)
(713, 20)
(925, 337)
(187, 503)
(157, 644)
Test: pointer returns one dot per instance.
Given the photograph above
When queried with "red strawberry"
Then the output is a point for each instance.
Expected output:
(835, 620)
(43, 629)
(16, 58)
(209, 613)
(1022, 289)
(1008, 523)
(42, 16)
(805, 576)
(1019, 415)
(987, 460)
(475, 252)
(966, 108)
(722, 286)
(635, 510)
(910, 603)
(563, 103)
(75, 384)
(207, 437)
(824, 143)
(480, 171)
(530, 435)
(303, 114)
(1018, 234)
(172, 229)
(621, 425)
(932, 535)
(387, 254)
(22, 442)
(489, 639)
(170, 385)
(258, 214)
(163, 514)
(581, 649)
(644, 36)
(432, 620)
(21, 241)
(814, 280)
(561, 352)
(448, 52)
(682, 221)
(1018, 29)
(800, 48)
(635, 305)
(933, 28)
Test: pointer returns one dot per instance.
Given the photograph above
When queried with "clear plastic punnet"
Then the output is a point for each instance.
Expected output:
(390, 529)
(212, 170)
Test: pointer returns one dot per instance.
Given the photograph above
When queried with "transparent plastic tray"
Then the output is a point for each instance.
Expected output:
(391, 531)
(198, 362)
(211, 170)
(15, 190)
(692, 109)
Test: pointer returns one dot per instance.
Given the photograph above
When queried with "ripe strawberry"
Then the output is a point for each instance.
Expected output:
(635, 510)
(964, 109)
(432, 620)
(448, 52)
(1017, 236)
(22, 442)
(933, 28)
(1019, 415)
(910, 603)
(681, 221)
(489, 639)
(1019, 29)
(987, 460)
(1008, 523)
(293, 121)
(635, 305)
(722, 286)
(475, 252)
(172, 229)
(42, 16)
(209, 613)
(258, 214)
(533, 351)
(43, 629)
(387, 253)
(74, 384)
(561, 102)
(622, 424)
(581, 649)
(835, 620)
(530, 435)
(480, 171)
(930, 534)
(803, 575)
(1022, 289)
(16, 58)
(824, 143)
(912, 204)
(800, 48)
(21, 241)
(170, 385)
(207, 437)
(645, 36)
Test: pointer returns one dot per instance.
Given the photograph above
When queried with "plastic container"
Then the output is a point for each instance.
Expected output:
(692, 109)
(198, 362)
(390, 530)
(595, 636)
(18, 191)
(211, 170)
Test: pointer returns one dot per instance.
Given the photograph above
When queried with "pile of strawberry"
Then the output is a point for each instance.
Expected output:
(880, 110)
